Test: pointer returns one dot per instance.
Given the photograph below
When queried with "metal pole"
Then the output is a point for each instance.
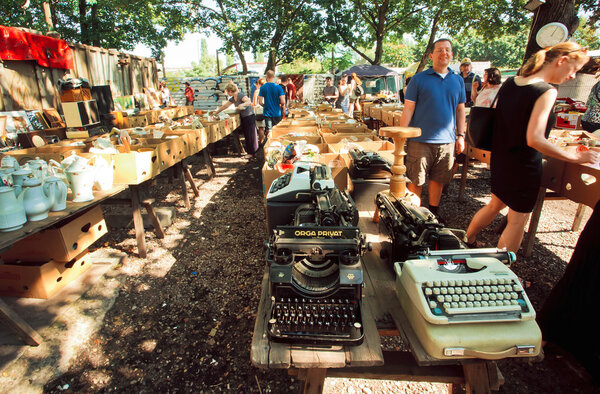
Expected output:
(218, 64)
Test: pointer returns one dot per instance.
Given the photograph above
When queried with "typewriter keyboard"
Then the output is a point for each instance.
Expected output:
(474, 299)
(280, 182)
(332, 321)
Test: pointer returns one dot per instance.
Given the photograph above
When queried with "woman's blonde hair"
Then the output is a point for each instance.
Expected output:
(231, 88)
(356, 79)
(545, 56)
(260, 82)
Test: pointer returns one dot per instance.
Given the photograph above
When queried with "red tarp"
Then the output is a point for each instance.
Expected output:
(15, 44)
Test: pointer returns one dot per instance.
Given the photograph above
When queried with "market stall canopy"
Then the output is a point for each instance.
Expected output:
(16, 44)
(370, 70)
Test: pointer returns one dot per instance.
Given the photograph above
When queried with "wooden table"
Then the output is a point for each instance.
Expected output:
(382, 315)
(7, 315)
(565, 181)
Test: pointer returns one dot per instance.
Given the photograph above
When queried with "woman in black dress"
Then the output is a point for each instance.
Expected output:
(523, 120)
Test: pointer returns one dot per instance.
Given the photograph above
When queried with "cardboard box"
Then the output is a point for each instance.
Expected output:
(74, 95)
(293, 131)
(61, 243)
(481, 155)
(568, 120)
(354, 137)
(339, 171)
(41, 280)
(81, 113)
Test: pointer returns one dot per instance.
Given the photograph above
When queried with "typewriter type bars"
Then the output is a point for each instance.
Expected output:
(469, 290)
(316, 280)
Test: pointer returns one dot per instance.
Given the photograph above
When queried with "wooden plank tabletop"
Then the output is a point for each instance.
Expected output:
(9, 238)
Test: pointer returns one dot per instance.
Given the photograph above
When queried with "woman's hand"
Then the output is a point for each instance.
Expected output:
(587, 157)
(475, 85)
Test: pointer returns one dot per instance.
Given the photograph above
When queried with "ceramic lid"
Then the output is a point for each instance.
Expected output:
(7, 170)
(22, 171)
(78, 165)
(37, 162)
(31, 181)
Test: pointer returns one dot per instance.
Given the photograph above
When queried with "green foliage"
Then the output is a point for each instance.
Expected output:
(587, 35)
(207, 66)
(503, 52)
(397, 54)
(120, 24)
(301, 67)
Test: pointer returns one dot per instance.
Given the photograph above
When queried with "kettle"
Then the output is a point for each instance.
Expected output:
(56, 187)
(12, 211)
(81, 179)
(36, 200)
(9, 162)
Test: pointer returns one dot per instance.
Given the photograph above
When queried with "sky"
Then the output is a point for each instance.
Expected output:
(185, 52)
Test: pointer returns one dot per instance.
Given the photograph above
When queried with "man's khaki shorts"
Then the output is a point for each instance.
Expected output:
(433, 161)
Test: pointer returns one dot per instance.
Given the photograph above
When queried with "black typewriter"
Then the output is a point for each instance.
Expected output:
(368, 165)
(315, 274)
(414, 233)
(411, 230)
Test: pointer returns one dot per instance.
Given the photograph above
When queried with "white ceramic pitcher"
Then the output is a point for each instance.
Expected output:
(12, 211)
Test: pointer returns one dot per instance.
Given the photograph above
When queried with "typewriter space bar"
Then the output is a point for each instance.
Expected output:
(483, 309)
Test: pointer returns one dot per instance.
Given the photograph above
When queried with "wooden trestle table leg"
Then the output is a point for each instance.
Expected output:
(138, 223)
(463, 176)
(534, 221)
(184, 191)
(209, 164)
(190, 178)
(18, 325)
(313, 380)
(158, 230)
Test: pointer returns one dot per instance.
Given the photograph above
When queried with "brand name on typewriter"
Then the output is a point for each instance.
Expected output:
(318, 233)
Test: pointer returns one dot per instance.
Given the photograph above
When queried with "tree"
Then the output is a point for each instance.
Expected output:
(120, 24)
(229, 20)
(503, 52)
(587, 35)
(397, 54)
(287, 30)
(360, 23)
(207, 66)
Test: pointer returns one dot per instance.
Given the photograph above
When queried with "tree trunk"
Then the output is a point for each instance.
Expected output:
(95, 34)
(83, 22)
(271, 62)
(240, 53)
(562, 11)
(378, 49)
(434, 29)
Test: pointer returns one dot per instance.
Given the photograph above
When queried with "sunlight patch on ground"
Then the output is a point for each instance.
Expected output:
(369, 386)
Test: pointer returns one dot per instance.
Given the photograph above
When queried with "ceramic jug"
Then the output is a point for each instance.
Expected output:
(38, 167)
(81, 179)
(104, 174)
(9, 162)
(18, 178)
(6, 178)
(36, 201)
(12, 211)
(60, 192)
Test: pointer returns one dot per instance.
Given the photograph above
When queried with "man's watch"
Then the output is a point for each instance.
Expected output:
(461, 135)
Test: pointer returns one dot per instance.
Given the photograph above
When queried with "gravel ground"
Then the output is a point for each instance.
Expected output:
(184, 316)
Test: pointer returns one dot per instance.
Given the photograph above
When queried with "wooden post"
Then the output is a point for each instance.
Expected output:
(18, 325)
(138, 223)
(399, 135)
(533, 223)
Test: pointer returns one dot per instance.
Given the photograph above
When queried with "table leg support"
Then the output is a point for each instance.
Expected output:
(463, 176)
(477, 378)
(209, 164)
(190, 178)
(184, 191)
(578, 217)
(533, 223)
(313, 380)
(138, 223)
(19, 326)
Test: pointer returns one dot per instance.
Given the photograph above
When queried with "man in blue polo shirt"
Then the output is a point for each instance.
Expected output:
(272, 97)
(434, 102)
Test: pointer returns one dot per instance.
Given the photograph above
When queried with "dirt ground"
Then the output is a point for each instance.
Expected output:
(184, 316)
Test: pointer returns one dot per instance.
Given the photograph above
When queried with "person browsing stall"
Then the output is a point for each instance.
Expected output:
(330, 92)
(522, 123)
(244, 106)
(434, 102)
(258, 111)
(343, 100)
(272, 97)
(469, 77)
(189, 94)
(492, 80)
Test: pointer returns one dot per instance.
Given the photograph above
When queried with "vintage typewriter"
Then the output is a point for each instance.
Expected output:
(294, 188)
(411, 229)
(463, 304)
(315, 274)
(368, 165)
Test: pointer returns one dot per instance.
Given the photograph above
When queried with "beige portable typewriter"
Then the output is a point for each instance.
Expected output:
(463, 306)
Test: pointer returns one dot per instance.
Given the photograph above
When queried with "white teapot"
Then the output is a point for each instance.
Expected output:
(81, 179)
(36, 200)
(12, 211)
(9, 162)
(58, 189)
(39, 168)
(103, 174)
